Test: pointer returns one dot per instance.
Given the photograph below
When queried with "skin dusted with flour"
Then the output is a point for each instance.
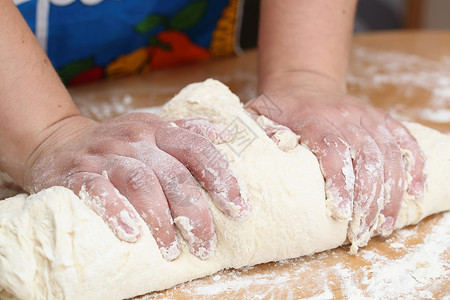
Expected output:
(73, 254)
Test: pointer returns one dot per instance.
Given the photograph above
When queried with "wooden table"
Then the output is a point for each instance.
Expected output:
(406, 73)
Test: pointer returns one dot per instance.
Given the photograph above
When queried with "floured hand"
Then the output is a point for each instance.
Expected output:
(368, 159)
(152, 163)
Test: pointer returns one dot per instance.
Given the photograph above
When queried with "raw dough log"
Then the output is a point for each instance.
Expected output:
(53, 246)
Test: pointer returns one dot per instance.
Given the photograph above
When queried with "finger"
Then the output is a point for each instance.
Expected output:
(137, 182)
(281, 135)
(413, 157)
(249, 107)
(334, 157)
(394, 175)
(209, 166)
(369, 179)
(187, 203)
(253, 113)
(216, 133)
(102, 197)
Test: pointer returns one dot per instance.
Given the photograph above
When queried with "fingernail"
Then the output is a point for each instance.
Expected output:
(345, 209)
(358, 232)
(337, 207)
(171, 251)
(362, 239)
(387, 226)
(205, 250)
(246, 209)
(417, 189)
(218, 134)
(126, 226)
(286, 140)
(199, 248)
(237, 209)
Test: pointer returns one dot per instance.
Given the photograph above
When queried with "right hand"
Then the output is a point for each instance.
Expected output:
(368, 159)
(152, 163)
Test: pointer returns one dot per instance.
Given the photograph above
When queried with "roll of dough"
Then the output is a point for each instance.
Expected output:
(53, 246)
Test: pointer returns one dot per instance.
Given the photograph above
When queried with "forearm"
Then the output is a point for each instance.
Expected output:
(32, 97)
(304, 36)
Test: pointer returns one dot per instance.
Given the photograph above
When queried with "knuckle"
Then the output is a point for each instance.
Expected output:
(370, 159)
(313, 122)
(371, 150)
(392, 153)
(133, 132)
(346, 111)
(380, 112)
(199, 145)
(93, 184)
(183, 192)
(139, 178)
(77, 165)
(333, 141)
(329, 143)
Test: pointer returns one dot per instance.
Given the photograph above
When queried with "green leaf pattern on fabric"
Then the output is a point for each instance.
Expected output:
(149, 23)
(69, 71)
(189, 15)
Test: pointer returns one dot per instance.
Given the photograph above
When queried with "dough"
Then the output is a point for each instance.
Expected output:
(53, 246)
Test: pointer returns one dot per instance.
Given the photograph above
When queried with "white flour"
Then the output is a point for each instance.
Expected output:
(105, 111)
(414, 274)
(410, 274)
(409, 74)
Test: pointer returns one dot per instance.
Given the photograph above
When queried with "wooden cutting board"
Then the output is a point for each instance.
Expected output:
(404, 72)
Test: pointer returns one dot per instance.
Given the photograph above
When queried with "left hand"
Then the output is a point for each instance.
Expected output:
(366, 156)
(144, 162)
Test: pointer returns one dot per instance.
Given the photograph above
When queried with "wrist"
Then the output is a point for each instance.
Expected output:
(50, 140)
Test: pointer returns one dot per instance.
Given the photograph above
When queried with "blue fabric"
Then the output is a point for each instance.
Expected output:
(104, 31)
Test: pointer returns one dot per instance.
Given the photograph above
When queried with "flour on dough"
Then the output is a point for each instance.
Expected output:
(53, 247)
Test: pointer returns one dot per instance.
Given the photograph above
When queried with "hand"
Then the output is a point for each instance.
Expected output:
(367, 158)
(152, 163)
